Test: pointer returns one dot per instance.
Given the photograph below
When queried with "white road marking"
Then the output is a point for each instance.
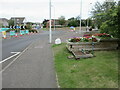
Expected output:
(16, 53)
(38, 47)
(16, 58)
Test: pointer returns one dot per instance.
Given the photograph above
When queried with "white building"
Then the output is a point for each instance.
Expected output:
(4, 22)
(18, 20)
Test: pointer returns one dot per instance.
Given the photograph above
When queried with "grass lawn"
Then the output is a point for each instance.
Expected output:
(97, 72)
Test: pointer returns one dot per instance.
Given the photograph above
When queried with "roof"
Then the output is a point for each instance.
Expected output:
(17, 17)
(3, 19)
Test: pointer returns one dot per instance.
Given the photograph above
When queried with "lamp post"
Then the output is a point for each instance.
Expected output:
(54, 15)
(87, 24)
(54, 18)
(80, 16)
(88, 15)
(14, 15)
(50, 31)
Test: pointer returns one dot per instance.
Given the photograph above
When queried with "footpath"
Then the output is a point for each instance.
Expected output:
(35, 67)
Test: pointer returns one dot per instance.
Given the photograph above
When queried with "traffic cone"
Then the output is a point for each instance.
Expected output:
(16, 35)
(4, 37)
(20, 34)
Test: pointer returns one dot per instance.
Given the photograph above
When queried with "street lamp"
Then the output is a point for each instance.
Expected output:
(88, 15)
(54, 15)
(54, 18)
(50, 32)
(80, 16)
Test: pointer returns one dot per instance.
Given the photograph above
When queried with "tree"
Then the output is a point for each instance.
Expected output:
(99, 12)
(72, 22)
(62, 20)
(45, 22)
(30, 23)
(11, 22)
(106, 16)
(75, 22)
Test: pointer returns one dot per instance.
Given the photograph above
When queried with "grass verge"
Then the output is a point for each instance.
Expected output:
(98, 72)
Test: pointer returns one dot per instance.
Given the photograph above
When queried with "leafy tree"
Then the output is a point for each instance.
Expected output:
(100, 12)
(72, 18)
(45, 22)
(72, 22)
(75, 22)
(83, 22)
(11, 22)
(30, 23)
(106, 16)
(62, 20)
(28, 26)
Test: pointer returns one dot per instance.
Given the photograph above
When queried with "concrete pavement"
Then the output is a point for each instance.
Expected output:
(33, 69)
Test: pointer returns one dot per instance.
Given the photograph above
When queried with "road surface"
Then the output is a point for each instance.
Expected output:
(18, 44)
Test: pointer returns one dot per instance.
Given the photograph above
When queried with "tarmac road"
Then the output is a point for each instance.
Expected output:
(18, 44)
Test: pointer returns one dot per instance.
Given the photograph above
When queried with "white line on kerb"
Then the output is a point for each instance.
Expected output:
(16, 53)
(57, 81)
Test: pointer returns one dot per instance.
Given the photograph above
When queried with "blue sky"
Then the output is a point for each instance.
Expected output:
(38, 10)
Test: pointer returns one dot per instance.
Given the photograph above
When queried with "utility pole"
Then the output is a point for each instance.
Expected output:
(50, 31)
(87, 23)
(80, 16)
(54, 18)
(89, 6)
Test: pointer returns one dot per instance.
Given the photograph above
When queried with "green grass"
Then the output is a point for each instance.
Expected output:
(97, 72)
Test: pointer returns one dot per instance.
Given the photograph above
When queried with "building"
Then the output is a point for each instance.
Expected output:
(54, 22)
(3, 22)
(36, 25)
(18, 20)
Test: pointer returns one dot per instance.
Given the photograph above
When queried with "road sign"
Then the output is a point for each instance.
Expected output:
(12, 33)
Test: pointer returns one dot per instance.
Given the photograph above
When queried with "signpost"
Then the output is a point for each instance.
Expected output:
(12, 33)
(26, 31)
